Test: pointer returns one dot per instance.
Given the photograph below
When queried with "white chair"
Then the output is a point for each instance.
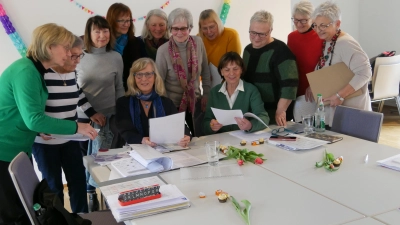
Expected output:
(301, 108)
(25, 180)
(357, 123)
(385, 84)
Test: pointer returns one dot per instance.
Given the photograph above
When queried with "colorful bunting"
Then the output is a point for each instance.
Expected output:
(225, 10)
(10, 30)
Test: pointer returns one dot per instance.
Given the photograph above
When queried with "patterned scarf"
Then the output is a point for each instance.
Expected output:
(151, 46)
(134, 108)
(121, 43)
(189, 96)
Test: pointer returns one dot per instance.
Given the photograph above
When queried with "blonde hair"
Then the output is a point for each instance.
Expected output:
(159, 13)
(263, 16)
(137, 66)
(211, 15)
(303, 8)
(46, 35)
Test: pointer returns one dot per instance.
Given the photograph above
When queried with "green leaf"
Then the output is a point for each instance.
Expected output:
(245, 213)
(319, 164)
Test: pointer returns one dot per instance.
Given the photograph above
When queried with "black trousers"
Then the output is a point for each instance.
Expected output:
(11, 208)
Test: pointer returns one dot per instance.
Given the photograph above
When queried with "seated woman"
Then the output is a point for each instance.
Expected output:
(234, 93)
(144, 100)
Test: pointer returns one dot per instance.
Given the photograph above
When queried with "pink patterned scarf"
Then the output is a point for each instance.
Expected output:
(189, 96)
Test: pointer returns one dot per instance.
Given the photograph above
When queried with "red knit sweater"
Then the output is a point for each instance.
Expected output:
(307, 48)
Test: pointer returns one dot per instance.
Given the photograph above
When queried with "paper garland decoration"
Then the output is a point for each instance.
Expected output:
(85, 9)
(10, 30)
(225, 10)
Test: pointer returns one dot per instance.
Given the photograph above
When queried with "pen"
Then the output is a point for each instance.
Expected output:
(366, 158)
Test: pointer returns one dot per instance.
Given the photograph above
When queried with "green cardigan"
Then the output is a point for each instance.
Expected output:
(23, 95)
(247, 101)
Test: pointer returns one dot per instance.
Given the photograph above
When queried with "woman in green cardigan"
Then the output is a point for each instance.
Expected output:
(23, 95)
(234, 93)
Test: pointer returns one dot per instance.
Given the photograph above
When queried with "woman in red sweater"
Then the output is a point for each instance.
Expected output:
(305, 45)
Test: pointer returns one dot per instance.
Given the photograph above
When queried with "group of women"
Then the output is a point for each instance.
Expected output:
(129, 79)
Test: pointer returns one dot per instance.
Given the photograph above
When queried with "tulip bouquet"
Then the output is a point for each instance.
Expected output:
(243, 155)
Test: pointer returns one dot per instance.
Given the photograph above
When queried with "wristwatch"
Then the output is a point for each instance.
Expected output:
(340, 98)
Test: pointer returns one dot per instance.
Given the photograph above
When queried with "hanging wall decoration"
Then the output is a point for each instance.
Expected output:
(225, 10)
(12, 33)
(89, 11)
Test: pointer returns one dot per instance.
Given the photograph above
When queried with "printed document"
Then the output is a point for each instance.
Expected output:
(167, 129)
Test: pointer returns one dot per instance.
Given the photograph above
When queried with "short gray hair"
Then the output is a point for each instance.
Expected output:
(329, 10)
(303, 8)
(180, 14)
(154, 12)
(78, 42)
(263, 16)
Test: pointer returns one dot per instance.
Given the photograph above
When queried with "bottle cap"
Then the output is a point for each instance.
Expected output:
(319, 95)
(36, 206)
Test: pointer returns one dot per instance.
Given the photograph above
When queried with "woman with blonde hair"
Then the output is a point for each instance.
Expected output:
(217, 39)
(144, 100)
(23, 96)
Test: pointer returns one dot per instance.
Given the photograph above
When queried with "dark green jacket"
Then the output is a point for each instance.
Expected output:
(247, 101)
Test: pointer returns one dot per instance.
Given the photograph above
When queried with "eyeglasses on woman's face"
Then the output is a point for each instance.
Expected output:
(75, 57)
(302, 21)
(146, 74)
(260, 35)
(124, 21)
(321, 26)
(181, 29)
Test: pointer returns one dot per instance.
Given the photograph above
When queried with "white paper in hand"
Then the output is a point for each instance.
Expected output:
(167, 129)
(226, 117)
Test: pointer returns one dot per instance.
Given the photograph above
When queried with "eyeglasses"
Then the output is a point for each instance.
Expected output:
(141, 75)
(75, 57)
(260, 35)
(303, 21)
(182, 29)
(282, 129)
(124, 21)
(321, 26)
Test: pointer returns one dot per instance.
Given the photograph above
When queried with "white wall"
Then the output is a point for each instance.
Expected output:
(26, 15)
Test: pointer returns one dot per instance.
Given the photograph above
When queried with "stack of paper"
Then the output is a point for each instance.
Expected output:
(150, 158)
(391, 162)
(112, 155)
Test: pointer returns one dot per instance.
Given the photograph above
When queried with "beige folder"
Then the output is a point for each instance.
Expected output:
(329, 80)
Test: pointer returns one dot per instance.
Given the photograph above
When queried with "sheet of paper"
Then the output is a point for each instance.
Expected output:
(249, 114)
(129, 167)
(72, 137)
(392, 162)
(150, 158)
(183, 159)
(215, 76)
(169, 148)
(168, 129)
(129, 185)
(301, 143)
(226, 117)
(249, 137)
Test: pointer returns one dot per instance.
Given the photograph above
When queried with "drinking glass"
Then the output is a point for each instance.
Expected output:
(308, 124)
(212, 149)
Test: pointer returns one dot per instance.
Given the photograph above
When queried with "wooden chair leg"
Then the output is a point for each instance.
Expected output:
(380, 107)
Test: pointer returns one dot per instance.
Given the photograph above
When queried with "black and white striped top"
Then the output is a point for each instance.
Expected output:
(63, 100)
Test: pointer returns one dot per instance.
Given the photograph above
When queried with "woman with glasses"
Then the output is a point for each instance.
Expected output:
(119, 16)
(181, 62)
(144, 99)
(305, 45)
(99, 74)
(217, 39)
(154, 33)
(23, 96)
(52, 155)
(234, 94)
(338, 47)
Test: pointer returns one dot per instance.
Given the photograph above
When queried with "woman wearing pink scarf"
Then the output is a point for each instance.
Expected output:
(181, 62)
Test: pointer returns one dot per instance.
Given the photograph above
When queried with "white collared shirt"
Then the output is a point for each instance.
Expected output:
(232, 99)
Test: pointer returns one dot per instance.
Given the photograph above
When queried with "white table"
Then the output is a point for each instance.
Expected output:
(288, 189)
(391, 217)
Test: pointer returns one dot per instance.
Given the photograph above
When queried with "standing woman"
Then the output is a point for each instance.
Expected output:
(119, 16)
(100, 76)
(23, 96)
(338, 47)
(217, 39)
(181, 62)
(154, 33)
(305, 44)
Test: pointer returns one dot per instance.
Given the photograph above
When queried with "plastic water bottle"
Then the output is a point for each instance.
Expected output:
(320, 115)
(37, 207)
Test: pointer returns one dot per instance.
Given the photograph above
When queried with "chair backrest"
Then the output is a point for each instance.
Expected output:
(302, 108)
(25, 181)
(357, 123)
(384, 61)
(387, 81)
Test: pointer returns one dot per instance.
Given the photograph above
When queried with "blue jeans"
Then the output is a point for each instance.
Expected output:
(68, 156)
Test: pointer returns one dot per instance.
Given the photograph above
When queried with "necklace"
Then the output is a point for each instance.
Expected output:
(323, 57)
(146, 104)
(64, 80)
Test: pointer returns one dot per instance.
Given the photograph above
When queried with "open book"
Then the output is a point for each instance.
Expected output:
(325, 137)
(227, 117)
